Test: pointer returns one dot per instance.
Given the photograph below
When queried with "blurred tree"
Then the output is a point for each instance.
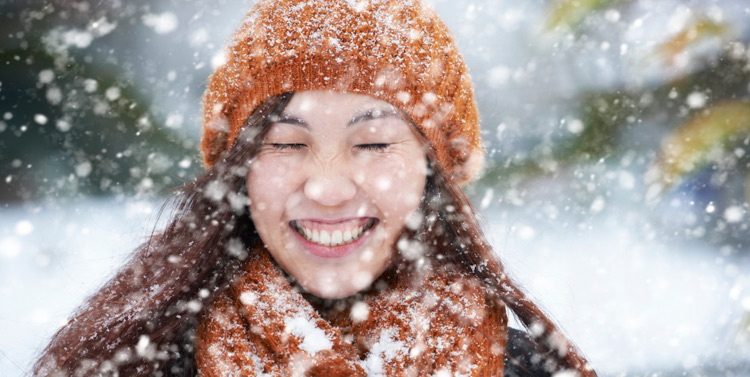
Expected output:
(568, 14)
(703, 115)
(72, 123)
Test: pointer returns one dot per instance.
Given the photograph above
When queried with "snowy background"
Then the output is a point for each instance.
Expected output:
(100, 114)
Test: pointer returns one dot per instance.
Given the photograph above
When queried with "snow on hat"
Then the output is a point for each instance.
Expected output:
(398, 51)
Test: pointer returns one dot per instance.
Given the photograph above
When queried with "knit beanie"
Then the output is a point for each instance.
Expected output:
(395, 50)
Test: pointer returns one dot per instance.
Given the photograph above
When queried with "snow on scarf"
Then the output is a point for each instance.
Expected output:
(436, 325)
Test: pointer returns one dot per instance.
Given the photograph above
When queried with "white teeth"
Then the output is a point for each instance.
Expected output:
(336, 237)
(325, 238)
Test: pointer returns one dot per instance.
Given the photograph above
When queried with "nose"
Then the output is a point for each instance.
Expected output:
(330, 187)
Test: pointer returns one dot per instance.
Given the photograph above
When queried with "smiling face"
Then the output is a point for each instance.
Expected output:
(332, 187)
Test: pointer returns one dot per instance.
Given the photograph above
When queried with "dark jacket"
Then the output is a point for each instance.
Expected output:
(523, 357)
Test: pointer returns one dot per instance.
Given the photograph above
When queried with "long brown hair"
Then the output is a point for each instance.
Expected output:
(143, 320)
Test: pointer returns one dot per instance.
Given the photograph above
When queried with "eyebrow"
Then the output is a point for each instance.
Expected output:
(367, 115)
(288, 119)
(372, 115)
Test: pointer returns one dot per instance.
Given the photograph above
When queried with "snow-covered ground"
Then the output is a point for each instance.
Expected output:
(633, 305)
(51, 258)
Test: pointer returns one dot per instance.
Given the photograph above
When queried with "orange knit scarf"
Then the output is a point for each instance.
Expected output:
(438, 324)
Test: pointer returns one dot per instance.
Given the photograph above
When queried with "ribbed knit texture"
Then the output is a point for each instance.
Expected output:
(441, 322)
(394, 50)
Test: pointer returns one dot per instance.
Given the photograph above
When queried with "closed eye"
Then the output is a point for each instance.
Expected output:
(378, 147)
(282, 146)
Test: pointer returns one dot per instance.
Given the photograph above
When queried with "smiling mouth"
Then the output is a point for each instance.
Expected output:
(330, 235)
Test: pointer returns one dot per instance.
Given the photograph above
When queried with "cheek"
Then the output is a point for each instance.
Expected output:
(397, 184)
(268, 183)
(269, 173)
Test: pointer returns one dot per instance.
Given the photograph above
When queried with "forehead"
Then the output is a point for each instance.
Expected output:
(331, 104)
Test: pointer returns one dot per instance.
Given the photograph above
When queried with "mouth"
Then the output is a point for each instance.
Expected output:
(335, 234)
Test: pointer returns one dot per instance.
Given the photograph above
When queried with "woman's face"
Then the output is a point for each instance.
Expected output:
(332, 188)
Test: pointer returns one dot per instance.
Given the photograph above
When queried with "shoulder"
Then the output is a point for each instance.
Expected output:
(523, 357)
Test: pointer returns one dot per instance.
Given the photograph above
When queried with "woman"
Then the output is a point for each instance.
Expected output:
(329, 236)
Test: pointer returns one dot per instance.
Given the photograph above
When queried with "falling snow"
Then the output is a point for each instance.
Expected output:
(734, 214)
(40, 119)
(605, 191)
(163, 23)
(84, 169)
(24, 228)
(696, 100)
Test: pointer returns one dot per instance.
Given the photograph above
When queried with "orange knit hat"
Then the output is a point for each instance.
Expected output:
(395, 50)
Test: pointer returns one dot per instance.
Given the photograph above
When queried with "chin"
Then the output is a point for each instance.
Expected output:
(338, 286)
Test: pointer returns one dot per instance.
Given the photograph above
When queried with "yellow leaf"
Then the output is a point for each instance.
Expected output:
(701, 29)
(569, 13)
(688, 148)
